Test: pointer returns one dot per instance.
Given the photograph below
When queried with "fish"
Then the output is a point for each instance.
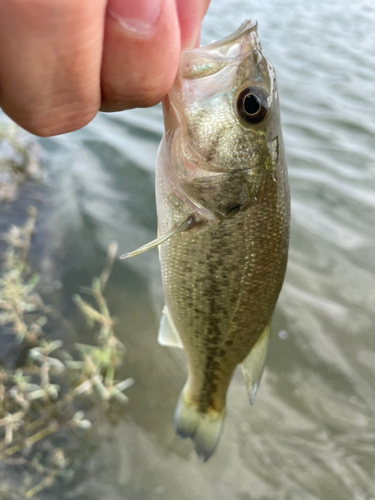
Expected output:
(223, 207)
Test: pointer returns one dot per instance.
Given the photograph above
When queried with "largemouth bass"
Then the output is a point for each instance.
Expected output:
(223, 213)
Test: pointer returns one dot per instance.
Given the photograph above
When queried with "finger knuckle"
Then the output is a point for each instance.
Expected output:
(58, 120)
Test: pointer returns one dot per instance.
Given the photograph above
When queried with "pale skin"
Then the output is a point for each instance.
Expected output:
(62, 61)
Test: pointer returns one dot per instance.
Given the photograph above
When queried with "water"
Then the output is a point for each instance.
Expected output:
(311, 433)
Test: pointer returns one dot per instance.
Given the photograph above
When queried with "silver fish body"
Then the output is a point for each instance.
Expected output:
(221, 163)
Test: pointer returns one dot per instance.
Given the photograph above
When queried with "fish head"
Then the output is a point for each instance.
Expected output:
(222, 122)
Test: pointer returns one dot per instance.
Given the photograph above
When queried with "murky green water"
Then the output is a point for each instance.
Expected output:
(311, 433)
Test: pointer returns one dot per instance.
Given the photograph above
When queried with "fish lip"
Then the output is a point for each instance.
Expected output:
(221, 53)
(246, 27)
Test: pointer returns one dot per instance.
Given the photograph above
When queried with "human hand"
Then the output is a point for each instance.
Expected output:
(61, 61)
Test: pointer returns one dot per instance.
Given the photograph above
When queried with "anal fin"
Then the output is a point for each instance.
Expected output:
(252, 365)
(168, 335)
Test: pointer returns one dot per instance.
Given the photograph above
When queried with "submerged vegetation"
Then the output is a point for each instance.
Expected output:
(47, 391)
(18, 160)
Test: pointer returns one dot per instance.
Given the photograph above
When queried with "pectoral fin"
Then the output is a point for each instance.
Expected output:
(159, 245)
(189, 223)
(168, 335)
(252, 365)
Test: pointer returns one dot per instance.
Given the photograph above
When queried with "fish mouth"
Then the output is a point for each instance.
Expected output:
(248, 26)
(210, 59)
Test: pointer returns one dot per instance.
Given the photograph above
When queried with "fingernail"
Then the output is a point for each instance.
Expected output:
(138, 16)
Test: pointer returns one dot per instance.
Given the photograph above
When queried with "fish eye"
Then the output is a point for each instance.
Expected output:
(252, 104)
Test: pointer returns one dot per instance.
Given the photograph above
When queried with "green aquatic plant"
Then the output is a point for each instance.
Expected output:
(19, 160)
(54, 392)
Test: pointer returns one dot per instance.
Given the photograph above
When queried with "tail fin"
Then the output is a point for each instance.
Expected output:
(203, 429)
